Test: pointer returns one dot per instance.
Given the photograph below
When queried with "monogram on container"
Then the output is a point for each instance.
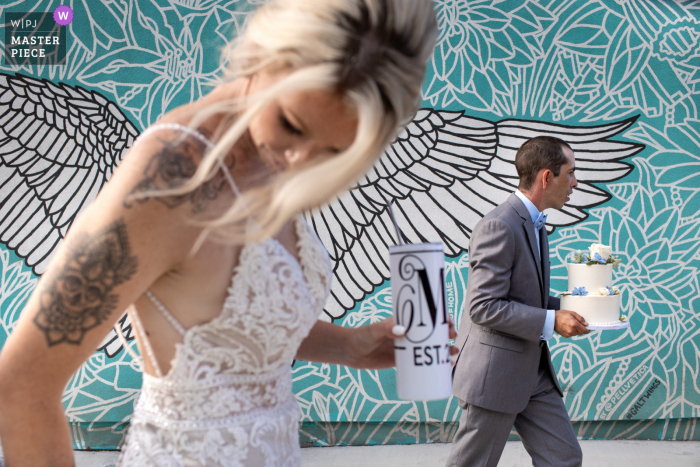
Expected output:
(423, 370)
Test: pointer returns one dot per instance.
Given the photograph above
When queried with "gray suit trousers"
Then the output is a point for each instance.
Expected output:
(543, 426)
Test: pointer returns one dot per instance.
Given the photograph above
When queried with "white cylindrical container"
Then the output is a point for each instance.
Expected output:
(423, 370)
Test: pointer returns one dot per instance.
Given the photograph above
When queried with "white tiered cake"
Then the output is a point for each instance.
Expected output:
(591, 292)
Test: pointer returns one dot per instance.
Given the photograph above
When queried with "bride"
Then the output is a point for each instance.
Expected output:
(199, 235)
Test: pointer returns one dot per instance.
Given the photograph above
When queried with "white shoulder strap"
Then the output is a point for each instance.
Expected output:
(136, 321)
(199, 136)
(165, 312)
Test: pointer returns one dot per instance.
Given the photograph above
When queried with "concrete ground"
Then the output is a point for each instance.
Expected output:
(595, 454)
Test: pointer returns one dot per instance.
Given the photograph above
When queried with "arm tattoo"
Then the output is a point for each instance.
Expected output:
(170, 168)
(82, 297)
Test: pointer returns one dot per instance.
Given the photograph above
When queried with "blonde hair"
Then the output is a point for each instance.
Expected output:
(373, 52)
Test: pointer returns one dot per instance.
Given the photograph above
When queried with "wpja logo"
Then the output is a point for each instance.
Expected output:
(36, 38)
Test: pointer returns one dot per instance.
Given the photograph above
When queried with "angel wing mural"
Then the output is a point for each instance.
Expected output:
(59, 145)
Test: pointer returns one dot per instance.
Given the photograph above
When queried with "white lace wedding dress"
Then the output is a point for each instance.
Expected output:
(227, 400)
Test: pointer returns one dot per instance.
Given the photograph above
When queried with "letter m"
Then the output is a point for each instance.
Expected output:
(15, 40)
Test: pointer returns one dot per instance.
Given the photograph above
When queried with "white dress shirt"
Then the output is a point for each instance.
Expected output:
(548, 328)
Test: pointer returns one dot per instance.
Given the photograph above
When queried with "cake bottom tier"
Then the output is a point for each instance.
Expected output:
(595, 309)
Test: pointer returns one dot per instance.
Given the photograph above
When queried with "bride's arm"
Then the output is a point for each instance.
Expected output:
(368, 347)
(113, 251)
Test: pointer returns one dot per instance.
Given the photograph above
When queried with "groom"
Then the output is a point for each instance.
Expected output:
(504, 375)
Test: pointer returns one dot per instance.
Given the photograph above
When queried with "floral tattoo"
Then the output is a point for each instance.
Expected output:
(82, 296)
(170, 168)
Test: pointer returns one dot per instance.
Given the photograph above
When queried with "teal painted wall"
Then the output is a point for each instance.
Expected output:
(633, 65)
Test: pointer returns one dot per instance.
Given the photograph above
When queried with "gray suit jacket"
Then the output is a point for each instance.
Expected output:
(505, 310)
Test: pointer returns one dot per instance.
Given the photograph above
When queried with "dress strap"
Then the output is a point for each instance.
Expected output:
(138, 326)
(165, 312)
(177, 127)
(136, 321)
(200, 137)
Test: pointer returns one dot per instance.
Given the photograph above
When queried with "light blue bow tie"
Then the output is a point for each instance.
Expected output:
(541, 219)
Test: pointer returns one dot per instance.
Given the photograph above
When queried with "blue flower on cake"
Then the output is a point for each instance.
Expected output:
(596, 258)
(615, 261)
(576, 257)
(579, 291)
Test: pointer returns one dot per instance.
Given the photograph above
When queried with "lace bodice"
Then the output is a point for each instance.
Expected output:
(227, 399)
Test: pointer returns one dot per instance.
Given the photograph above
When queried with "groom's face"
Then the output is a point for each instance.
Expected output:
(563, 184)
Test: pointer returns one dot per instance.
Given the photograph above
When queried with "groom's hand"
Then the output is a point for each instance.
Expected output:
(568, 323)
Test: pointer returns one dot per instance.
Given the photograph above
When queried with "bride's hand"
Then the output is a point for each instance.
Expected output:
(372, 346)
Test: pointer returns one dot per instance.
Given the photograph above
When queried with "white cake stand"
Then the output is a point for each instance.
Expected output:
(602, 327)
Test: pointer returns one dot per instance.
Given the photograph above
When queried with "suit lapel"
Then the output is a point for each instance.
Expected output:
(529, 229)
(544, 241)
(532, 240)
(544, 245)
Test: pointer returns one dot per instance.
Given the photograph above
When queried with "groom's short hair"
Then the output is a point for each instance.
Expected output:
(540, 152)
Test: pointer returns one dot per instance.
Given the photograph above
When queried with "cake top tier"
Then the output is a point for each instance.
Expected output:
(593, 277)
